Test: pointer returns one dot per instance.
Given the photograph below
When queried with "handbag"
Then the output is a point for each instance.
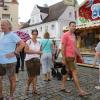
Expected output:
(2, 70)
(78, 59)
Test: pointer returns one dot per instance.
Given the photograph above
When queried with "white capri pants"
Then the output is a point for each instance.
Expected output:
(46, 61)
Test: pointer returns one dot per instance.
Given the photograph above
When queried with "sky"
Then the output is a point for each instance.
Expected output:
(26, 6)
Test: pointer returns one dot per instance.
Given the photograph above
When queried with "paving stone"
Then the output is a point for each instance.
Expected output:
(51, 90)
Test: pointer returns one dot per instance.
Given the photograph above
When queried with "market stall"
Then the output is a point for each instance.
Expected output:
(88, 25)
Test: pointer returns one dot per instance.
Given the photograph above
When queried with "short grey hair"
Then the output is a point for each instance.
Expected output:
(9, 23)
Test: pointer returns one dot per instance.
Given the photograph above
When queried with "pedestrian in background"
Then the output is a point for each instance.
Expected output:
(69, 52)
(8, 53)
(46, 57)
(32, 59)
(97, 54)
(20, 63)
(22, 57)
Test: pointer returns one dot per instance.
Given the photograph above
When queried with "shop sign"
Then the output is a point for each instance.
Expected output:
(95, 8)
(89, 24)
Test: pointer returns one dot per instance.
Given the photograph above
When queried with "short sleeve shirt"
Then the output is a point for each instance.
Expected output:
(69, 41)
(7, 45)
(46, 45)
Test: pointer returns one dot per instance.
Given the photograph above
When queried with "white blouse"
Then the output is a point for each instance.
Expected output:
(33, 46)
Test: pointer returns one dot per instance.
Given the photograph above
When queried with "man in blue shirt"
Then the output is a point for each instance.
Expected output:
(8, 52)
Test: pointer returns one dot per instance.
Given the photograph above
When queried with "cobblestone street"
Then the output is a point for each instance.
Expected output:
(51, 90)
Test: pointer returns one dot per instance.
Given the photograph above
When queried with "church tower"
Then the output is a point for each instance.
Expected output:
(10, 11)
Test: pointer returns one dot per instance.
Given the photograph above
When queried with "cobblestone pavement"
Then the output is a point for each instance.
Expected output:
(51, 90)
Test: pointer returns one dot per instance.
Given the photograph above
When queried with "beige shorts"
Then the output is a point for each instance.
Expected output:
(70, 62)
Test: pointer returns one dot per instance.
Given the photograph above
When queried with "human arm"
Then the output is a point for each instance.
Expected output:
(79, 58)
(28, 50)
(19, 47)
(62, 52)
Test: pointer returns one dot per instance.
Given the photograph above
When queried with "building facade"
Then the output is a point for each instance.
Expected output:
(51, 19)
(10, 11)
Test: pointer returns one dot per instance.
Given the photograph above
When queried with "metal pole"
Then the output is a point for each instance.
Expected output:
(99, 73)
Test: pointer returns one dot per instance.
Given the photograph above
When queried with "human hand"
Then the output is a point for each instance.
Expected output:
(38, 52)
(10, 55)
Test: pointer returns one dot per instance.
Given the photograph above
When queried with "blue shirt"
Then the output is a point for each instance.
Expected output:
(46, 45)
(7, 45)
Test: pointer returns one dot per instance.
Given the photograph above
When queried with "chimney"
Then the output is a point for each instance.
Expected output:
(45, 5)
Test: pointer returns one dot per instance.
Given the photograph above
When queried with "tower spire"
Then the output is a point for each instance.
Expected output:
(14, 1)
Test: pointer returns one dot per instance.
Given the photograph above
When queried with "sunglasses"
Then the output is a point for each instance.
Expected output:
(34, 34)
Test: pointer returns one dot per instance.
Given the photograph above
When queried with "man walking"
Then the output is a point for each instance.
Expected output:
(8, 53)
(69, 52)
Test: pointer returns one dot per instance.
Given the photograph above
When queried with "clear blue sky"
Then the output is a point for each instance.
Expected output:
(26, 6)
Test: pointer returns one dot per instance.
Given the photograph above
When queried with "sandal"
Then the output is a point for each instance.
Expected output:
(65, 91)
(36, 92)
(26, 92)
(45, 80)
(84, 94)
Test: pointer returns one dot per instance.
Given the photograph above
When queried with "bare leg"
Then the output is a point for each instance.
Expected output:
(77, 83)
(48, 75)
(45, 77)
(63, 82)
(34, 86)
(29, 81)
(12, 80)
(34, 82)
(94, 61)
(1, 87)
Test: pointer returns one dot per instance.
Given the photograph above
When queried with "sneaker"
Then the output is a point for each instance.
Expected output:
(69, 79)
(97, 87)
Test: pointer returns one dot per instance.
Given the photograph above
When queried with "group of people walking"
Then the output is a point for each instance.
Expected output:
(38, 54)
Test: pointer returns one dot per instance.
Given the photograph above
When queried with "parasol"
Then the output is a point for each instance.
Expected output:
(23, 35)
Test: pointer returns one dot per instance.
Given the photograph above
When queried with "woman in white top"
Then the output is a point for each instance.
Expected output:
(32, 59)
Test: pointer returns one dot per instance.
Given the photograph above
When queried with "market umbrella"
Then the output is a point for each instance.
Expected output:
(23, 35)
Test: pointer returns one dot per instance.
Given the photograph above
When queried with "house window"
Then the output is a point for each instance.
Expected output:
(46, 28)
(70, 14)
(5, 16)
(5, 7)
(40, 28)
(32, 21)
(52, 27)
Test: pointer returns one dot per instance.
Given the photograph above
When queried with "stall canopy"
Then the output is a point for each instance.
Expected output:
(88, 14)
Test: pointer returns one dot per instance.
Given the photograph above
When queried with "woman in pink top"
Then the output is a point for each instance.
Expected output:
(32, 59)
